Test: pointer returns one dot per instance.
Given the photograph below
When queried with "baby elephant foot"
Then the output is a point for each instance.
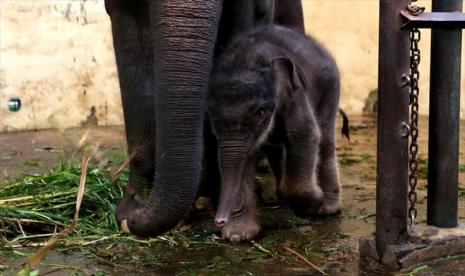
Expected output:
(304, 201)
(238, 230)
(331, 206)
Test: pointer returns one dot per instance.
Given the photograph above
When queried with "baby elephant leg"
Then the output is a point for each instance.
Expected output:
(299, 188)
(275, 156)
(243, 224)
(328, 177)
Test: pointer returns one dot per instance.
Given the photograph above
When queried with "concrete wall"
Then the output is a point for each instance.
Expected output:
(349, 28)
(57, 56)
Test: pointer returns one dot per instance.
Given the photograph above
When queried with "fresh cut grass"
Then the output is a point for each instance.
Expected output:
(34, 207)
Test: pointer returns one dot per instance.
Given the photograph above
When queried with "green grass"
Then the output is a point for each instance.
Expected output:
(348, 159)
(36, 206)
(422, 171)
(461, 191)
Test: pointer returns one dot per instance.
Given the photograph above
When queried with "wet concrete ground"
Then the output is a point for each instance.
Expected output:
(329, 243)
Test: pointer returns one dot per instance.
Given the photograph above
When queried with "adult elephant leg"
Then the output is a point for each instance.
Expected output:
(276, 159)
(240, 16)
(134, 53)
(185, 35)
(290, 14)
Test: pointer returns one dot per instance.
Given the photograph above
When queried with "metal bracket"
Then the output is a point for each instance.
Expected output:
(405, 130)
(14, 104)
(429, 20)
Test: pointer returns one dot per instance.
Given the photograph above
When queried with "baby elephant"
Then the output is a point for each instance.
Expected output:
(277, 91)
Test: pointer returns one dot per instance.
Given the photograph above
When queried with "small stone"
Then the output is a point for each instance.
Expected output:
(305, 228)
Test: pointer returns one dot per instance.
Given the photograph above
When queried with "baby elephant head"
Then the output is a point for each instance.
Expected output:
(242, 106)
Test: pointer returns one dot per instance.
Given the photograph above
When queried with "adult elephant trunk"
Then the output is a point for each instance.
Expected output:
(232, 158)
(184, 33)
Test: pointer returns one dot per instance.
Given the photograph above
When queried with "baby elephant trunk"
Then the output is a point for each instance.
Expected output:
(232, 157)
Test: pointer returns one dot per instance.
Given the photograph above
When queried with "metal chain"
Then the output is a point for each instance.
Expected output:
(415, 57)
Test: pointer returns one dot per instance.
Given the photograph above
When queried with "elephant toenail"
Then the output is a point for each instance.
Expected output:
(235, 238)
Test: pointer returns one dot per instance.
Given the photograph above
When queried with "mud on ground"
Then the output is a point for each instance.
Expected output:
(329, 243)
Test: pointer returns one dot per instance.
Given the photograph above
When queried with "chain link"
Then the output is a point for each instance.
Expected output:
(415, 58)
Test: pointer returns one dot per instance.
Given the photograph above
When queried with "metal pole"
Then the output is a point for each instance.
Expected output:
(444, 120)
(392, 152)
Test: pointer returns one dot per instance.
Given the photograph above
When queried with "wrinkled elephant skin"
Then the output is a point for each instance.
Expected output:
(164, 53)
(275, 91)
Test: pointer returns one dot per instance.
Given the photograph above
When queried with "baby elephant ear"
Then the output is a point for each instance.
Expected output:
(285, 74)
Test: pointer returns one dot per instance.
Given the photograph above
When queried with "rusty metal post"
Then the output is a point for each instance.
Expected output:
(392, 152)
(444, 120)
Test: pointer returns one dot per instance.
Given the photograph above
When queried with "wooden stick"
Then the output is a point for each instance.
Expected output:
(305, 260)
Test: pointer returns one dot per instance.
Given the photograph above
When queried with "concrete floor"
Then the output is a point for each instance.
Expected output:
(336, 238)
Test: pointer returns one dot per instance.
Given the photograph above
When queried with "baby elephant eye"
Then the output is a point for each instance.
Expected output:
(260, 115)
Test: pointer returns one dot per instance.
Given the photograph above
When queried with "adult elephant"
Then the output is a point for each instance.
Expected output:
(164, 50)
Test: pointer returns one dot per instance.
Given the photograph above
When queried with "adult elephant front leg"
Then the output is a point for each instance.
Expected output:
(134, 55)
(289, 14)
(185, 35)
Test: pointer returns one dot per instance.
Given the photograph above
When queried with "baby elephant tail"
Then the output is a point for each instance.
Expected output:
(345, 124)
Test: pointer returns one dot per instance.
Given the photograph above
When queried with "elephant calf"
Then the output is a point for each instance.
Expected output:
(274, 90)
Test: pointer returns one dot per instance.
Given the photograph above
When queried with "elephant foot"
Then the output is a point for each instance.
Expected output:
(331, 205)
(304, 200)
(241, 229)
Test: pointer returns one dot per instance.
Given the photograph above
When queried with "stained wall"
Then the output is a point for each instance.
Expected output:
(57, 57)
